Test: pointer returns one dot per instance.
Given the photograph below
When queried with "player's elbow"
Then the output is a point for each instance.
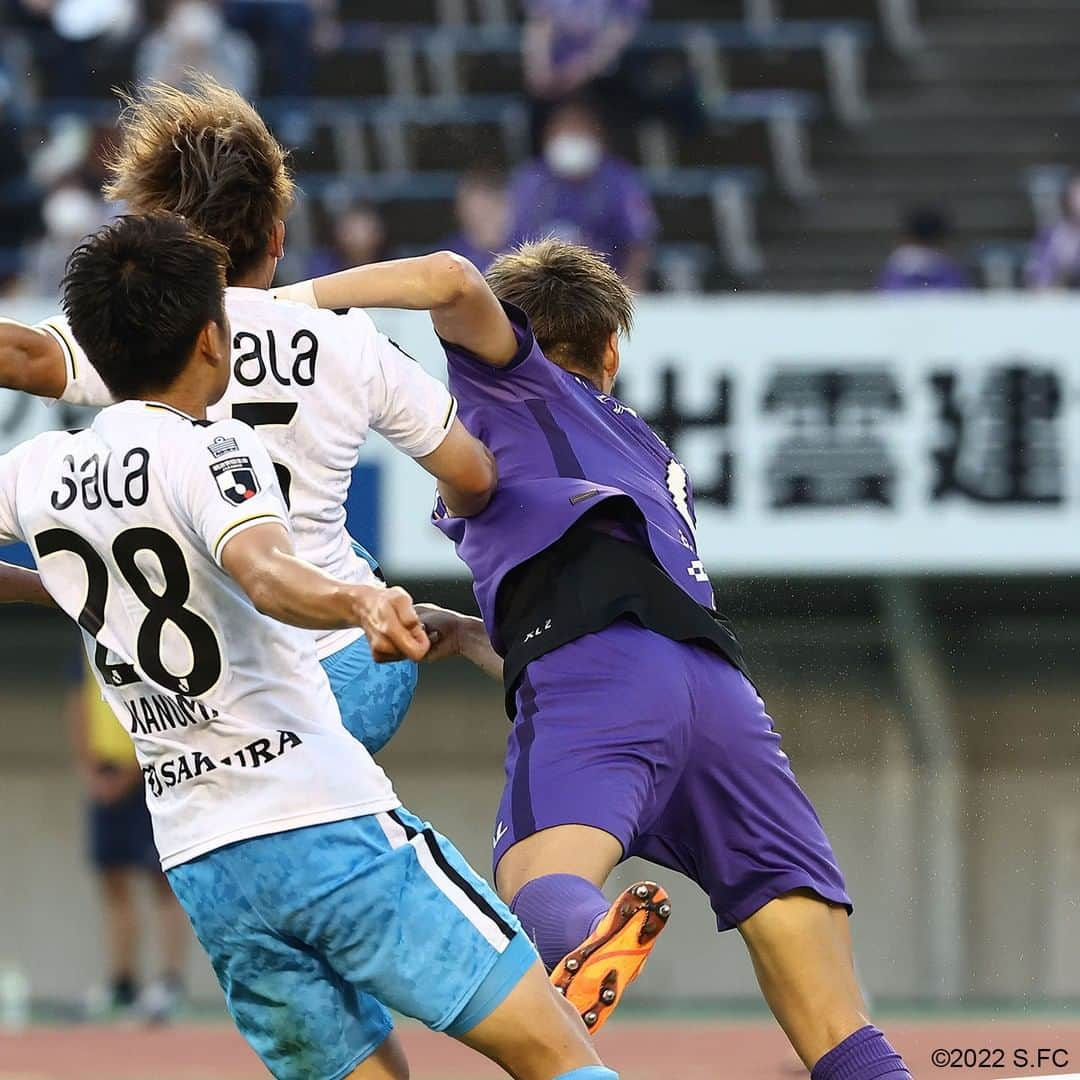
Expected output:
(254, 573)
(258, 583)
(469, 492)
(453, 279)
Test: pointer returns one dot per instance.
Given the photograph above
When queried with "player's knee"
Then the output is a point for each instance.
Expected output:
(116, 885)
(387, 1063)
(383, 1071)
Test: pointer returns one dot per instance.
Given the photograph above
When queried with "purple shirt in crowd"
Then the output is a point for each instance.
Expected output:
(578, 24)
(912, 268)
(609, 211)
(1054, 259)
(562, 448)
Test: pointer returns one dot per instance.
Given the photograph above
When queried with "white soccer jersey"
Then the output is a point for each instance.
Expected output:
(232, 716)
(313, 383)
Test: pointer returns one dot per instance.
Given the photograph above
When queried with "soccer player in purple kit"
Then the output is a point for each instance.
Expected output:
(635, 730)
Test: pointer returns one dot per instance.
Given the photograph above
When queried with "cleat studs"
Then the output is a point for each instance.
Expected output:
(642, 892)
(590, 1018)
(572, 964)
(664, 910)
(607, 996)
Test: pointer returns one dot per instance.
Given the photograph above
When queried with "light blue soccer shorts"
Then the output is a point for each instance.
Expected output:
(314, 932)
(373, 698)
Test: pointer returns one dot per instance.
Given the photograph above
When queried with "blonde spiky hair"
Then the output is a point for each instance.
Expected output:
(205, 153)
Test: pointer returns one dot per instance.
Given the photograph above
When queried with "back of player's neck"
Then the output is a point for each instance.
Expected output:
(179, 399)
(574, 370)
(594, 382)
(258, 277)
(254, 280)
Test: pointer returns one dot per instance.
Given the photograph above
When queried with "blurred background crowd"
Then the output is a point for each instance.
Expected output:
(886, 491)
(703, 144)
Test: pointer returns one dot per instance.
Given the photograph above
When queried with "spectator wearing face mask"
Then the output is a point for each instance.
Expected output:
(483, 215)
(70, 211)
(1054, 259)
(920, 262)
(579, 192)
(195, 37)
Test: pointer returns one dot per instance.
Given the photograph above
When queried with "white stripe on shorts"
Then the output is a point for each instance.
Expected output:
(488, 928)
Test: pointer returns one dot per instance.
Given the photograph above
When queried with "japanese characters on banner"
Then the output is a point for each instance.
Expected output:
(823, 435)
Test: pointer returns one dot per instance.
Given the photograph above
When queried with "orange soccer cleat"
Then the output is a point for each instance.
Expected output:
(595, 975)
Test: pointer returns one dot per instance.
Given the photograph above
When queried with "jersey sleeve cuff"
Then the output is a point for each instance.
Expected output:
(237, 527)
(71, 367)
(434, 437)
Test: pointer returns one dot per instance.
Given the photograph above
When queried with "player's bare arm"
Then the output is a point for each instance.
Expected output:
(465, 469)
(21, 586)
(286, 588)
(453, 634)
(463, 308)
(31, 360)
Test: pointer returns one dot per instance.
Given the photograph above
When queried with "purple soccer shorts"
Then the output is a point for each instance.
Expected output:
(667, 747)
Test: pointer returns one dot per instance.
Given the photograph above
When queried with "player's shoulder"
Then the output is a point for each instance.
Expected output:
(45, 444)
(265, 307)
(200, 440)
(24, 466)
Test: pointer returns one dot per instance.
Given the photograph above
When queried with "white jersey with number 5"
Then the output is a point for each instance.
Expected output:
(231, 714)
(312, 383)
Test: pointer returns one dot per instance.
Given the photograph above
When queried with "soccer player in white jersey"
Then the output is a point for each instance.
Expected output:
(319, 898)
(313, 383)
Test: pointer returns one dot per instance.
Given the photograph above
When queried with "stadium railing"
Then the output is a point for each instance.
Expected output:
(729, 195)
(842, 45)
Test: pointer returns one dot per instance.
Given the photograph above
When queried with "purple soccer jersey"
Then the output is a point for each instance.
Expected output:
(662, 743)
(562, 448)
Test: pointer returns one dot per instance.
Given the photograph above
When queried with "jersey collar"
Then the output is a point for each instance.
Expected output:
(159, 406)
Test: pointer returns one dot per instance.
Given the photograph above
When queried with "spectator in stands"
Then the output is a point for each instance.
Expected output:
(580, 192)
(81, 47)
(573, 46)
(569, 43)
(285, 32)
(358, 238)
(70, 211)
(195, 37)
(482, 208)
(69, 166)
(1054, 259)
(921, 262)
(20, 196)
(122, 851)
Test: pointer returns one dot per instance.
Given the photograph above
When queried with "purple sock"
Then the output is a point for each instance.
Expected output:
(558, 911)
(865, 1055)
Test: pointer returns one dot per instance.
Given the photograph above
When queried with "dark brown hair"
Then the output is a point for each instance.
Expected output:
(207, 154)
(574, 300)
(138, 293)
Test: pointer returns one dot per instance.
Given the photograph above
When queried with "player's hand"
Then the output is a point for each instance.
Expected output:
(454, 634)
(394, 630)
(444, 631)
